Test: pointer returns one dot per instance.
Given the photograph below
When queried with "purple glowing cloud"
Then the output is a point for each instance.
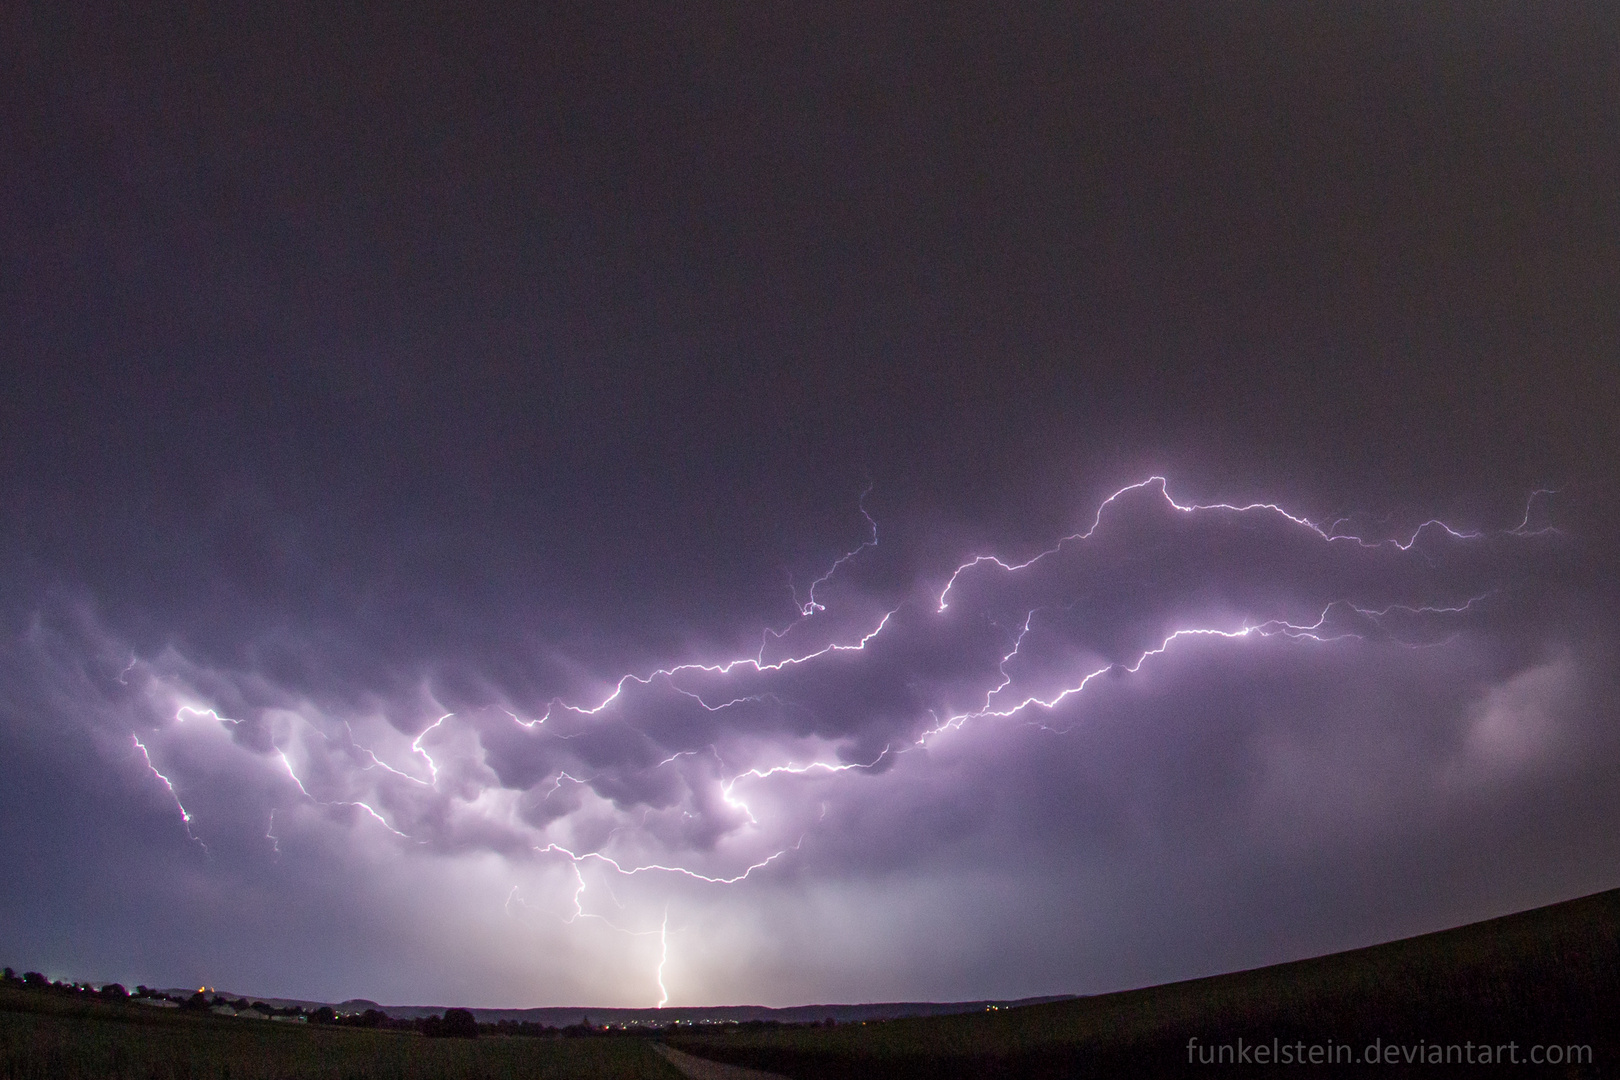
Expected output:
(720, 774)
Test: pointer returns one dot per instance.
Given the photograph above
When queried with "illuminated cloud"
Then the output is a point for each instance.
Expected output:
(870, 737)
(567, 506)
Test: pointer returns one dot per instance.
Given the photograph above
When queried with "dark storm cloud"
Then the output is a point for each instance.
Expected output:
(1169, 695)
(381, 389)
(832, 695)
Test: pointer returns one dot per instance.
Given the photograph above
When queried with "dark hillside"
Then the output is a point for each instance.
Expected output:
(1495, 990)
(47, 1035)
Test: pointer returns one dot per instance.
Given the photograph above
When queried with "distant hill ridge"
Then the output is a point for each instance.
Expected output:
(1588, 925)
(796, 1014)
(1548, 978)
(564, 1016)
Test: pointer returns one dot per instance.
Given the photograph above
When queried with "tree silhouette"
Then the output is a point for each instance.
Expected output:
(455, 1024)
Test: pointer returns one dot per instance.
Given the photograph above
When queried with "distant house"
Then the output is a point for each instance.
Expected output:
(294, 1019)
(223, 1010)
(251, 1014)
(158, 1003)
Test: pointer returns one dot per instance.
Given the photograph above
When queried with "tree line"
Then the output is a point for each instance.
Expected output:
(452, 1024)
(455, 1023)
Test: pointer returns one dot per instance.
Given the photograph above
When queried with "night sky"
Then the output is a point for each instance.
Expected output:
(596, 504)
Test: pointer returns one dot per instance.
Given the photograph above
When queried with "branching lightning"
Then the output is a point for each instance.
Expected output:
(1339, 620)
(754, 663)
(377, 762)
(1330, 534)
(168, 785)
(368, 808)
(1523, 527)
(416, 746)
(810, 605)
(726, 786)
(992, 707)
(629, 871)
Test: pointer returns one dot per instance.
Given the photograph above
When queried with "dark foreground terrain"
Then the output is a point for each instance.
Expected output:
(1536, 993)
(1542, 983)
(48, 1037)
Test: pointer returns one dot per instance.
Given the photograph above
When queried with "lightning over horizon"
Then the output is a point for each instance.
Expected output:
(663, 958)
(1041, 601)
(607, 507)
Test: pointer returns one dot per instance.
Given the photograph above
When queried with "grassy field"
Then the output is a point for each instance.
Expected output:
(1549, 976)
(45, 1037)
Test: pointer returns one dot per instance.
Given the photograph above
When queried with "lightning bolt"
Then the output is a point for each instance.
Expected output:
(1269, 628)
(416, 745)
(580, 913)
(754, 663)
(377, 762)
(1329, 534)
(792, 770)
(663, 958)
(1523, 527)
(556, 784)
(630, 871)
(282, 754)
(577, 859)
(810, 605)
(183, 711)
(168, 785)
(1337, 621)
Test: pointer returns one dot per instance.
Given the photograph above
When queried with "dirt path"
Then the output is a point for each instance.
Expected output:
(702, 1069)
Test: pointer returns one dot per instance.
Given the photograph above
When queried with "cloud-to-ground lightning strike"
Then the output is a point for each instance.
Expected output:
(579, 913)
(1313, 631)
(663, 958)
(1338, 620)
